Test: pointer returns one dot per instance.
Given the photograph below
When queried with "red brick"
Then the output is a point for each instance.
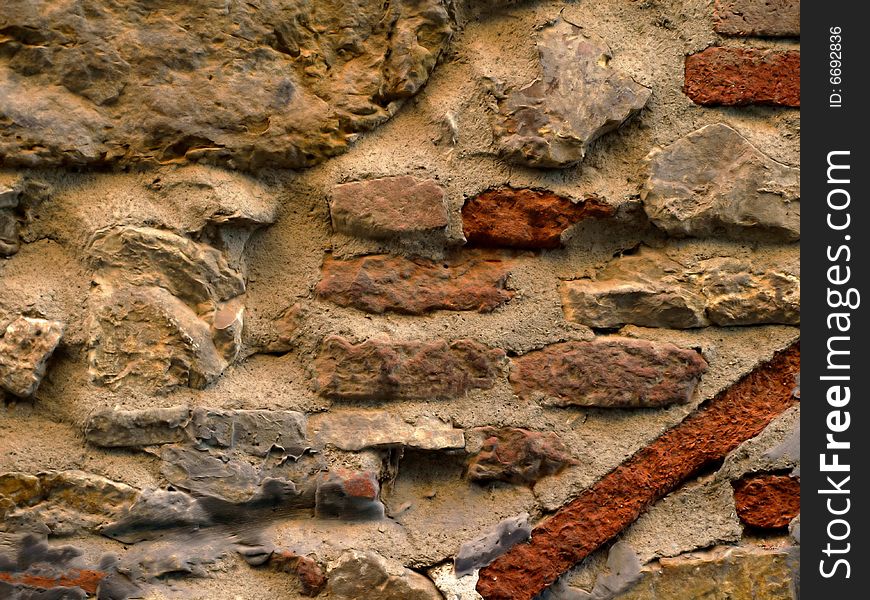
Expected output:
(310, 575)
(767, 501)
(777, 18)
(602, 511)
(518, 456)
(85, 579)
(381, 283)
(738, 77)
(524, 218)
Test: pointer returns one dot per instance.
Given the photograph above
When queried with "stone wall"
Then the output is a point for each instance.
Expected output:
(421, 299)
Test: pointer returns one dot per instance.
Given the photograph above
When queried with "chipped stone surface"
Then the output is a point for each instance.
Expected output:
(551, 121)
(356, 574)
(715, 183)
(451, 586)
(608, 371)
(288, 84)
(483, 550)
(518, 455)
(351, 495)
(779, 18)
(724, 572)
(721, 76)
(416, 286)
(767, 501)
(404, 207)
(123, 428)
(357, 430)
(383, 369)
(25, 348)
(650, 289)
(525, 218)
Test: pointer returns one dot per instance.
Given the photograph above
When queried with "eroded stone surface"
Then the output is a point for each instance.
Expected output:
(404, 207)
(381, 283)
(525, 218)
(351, 495)
(608, 371)
(518, 455)
(741, 76)
(286, 83)
(310, 575)
(124, 428)
(779, 18)
(359, 574)
(480, 552)
(25, 348)
(357, 430)
(767, 501)
(650, 289)
(735, 415)
(384, 369)
(552, 121)
(714, 183)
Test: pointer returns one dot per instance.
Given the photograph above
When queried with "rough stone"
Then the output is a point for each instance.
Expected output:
(403, 207)
(113, 428)
(369, 575)
(651, 290)
(357, 430)
(481, 551)
(386, 369)
(552, 121)
(156, 511)
(608, 371)
(350, 495)
(257, 432)
(525, 218)
(767, 501)
(718, 574)
(25, 348)
(775, 18)
(621, 572)
(146, 337)
(310, 575)
(40, 571)
(416, 286)
(518, 456)
(204, 474)
(283, 331)
(451, 586)
(713, 183)
(735, 415)
(282, 84)
(9, 241)
(194, 272)
(721, 76)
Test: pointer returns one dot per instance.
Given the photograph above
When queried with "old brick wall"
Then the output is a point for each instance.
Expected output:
(422, 299)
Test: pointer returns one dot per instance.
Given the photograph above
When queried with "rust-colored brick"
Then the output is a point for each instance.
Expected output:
(737, 414)
(738, 77)
(767, 501)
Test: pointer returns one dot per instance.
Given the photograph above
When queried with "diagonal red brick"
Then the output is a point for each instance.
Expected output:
(735, 415)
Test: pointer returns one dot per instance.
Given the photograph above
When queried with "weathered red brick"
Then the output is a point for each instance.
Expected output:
(310, 575)
(777, 18)
(608, 371)
(409, 370)
(767, 501)
(738, 76)
(524, 218)
(85, 579)
(518, 456)
(380, 283)
(735, 415)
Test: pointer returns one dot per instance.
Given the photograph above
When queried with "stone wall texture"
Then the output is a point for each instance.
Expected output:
(416, 299)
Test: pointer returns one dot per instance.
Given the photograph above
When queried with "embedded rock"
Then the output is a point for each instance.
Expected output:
(767, 501)
(257, 432)
(145, 336)
(286, 83)
(381, 283)
(403, 207)
(310, 575)
(129, 428)
(350, 495)
(483, 550)
(714, 183)
(610, 372)
(357, 430)
(25, 348)
(9, 242)
(775, 18)
(525, 218)
(518, 456)
(156, 511)
(369, 575)
(722, 76)
(204, 474)
(384, 369)
(738, 295)
(552, 121)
